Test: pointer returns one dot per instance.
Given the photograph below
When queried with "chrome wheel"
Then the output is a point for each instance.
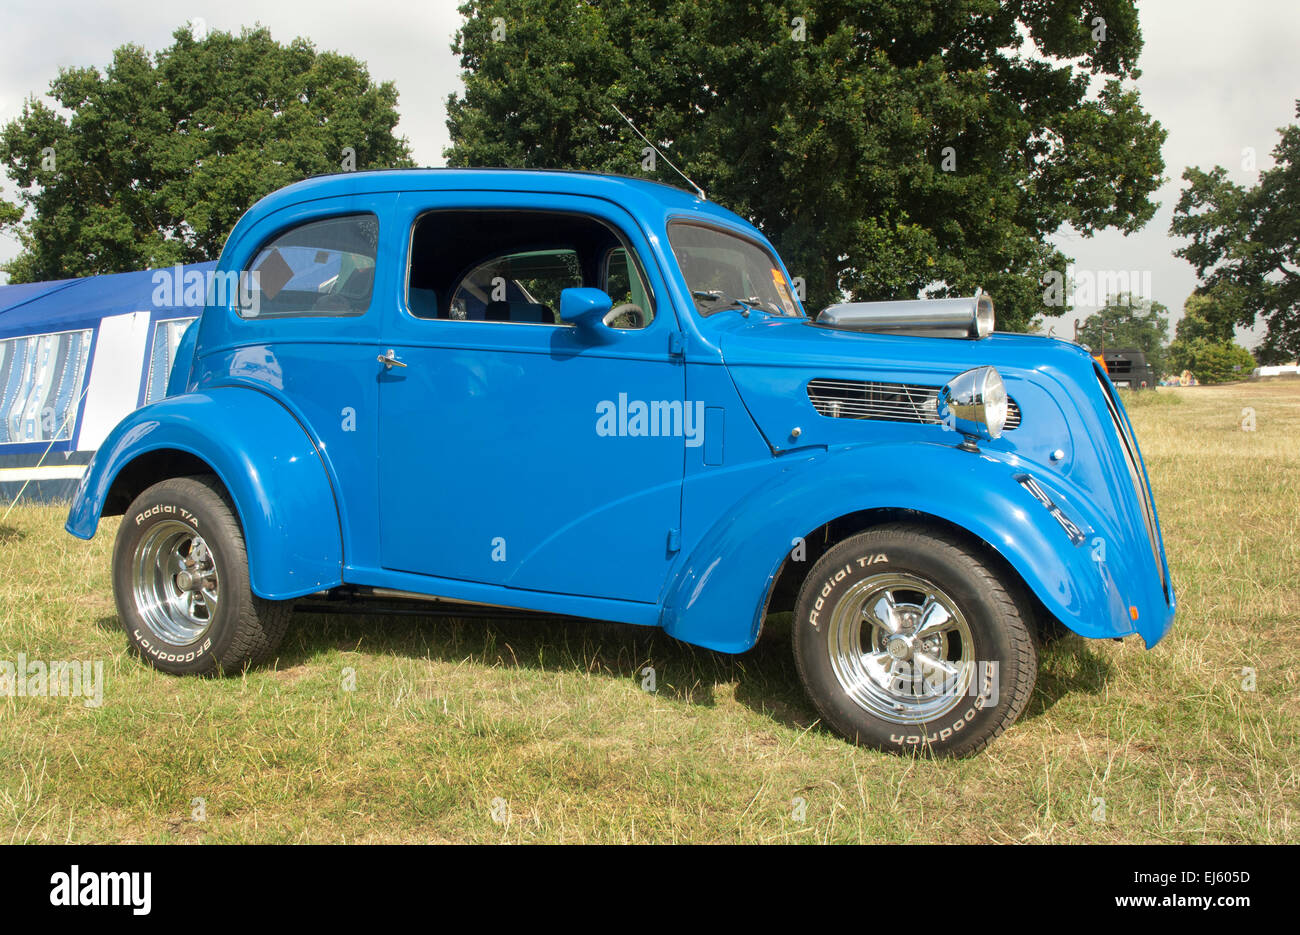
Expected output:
(900, 648)
(175, 582)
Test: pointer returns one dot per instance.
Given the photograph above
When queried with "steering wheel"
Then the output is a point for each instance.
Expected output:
(634, 312)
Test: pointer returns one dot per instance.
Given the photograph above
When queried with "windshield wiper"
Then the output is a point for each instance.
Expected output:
(753, 303)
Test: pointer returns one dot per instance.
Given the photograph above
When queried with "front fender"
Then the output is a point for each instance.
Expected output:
(281, 491)
(718, 598)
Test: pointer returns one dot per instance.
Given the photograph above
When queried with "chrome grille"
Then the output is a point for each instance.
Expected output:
(887, 402)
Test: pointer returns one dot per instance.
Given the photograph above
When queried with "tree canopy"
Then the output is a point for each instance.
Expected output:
(1204, 341)
(162, 154)
(1211, 361)
(886, 147)
(1207, 316)
(1245, 245)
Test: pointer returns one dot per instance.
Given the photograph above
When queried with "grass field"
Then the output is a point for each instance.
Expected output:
(519, 731)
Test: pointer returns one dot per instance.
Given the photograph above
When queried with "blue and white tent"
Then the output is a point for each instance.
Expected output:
(76, 355)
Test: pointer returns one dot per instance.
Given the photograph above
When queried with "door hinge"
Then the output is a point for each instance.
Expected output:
(676, 346)
(674, 540)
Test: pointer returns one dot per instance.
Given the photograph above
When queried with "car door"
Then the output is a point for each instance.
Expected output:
(510, 447)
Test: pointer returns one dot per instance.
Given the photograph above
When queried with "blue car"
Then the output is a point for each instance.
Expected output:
(594, 396)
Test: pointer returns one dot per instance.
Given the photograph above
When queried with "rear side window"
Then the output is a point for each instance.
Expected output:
(321, 268)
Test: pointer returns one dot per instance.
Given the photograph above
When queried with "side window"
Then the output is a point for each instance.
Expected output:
(627, 288)
(506, 265)
(321, 268)
(523, 288)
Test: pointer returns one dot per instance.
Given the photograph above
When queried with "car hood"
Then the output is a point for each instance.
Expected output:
(773, 360)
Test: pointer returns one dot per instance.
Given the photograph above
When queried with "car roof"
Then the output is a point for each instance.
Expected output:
(640, 195)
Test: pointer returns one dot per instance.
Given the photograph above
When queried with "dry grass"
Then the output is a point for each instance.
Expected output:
(448, 717)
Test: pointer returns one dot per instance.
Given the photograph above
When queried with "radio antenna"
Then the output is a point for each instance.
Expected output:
(660, 153)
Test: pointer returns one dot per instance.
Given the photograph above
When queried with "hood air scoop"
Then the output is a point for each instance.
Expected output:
(932, 318)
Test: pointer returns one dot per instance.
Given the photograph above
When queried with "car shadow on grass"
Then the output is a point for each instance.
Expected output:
(763, 679)
(1068, 666)
(109, 623)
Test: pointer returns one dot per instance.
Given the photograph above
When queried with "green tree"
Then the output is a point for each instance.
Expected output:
(1211, 361)
(162, 154)
(1209, 315)
(1245, 243)
(1128, 322)
(886, 147)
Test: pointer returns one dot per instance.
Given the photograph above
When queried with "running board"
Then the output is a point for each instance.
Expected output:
(389, 602)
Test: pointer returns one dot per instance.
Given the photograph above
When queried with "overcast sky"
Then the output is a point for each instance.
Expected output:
(1219, 76)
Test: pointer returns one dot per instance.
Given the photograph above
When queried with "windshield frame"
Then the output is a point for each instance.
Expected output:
(774, 262)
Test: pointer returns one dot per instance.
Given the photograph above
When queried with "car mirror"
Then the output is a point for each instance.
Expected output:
(586, 309)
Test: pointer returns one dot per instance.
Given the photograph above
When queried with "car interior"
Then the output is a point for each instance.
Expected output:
(511, 266)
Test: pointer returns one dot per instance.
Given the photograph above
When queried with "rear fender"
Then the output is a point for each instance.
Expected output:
(272, 470)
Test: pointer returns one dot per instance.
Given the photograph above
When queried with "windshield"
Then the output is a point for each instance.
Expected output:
(725, 271)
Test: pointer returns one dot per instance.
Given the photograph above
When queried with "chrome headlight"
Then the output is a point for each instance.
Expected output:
(974, 403)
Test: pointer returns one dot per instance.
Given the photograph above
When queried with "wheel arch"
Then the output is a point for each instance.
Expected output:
(784, 589)
(153, 467)
(721, 591)
(273, 475)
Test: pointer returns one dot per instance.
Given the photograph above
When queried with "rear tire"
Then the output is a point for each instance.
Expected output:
(181, 583)
(908, 640)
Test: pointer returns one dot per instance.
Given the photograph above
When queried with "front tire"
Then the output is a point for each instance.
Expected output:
(180, 580)
(908, 640)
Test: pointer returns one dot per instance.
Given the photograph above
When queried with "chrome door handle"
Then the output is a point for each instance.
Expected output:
(389, 360)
